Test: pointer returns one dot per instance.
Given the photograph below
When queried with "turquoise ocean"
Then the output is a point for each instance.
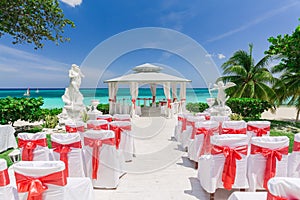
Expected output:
(52, 96)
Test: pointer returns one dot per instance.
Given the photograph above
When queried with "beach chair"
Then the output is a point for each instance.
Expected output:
(102, 158)
(33, 146)
(46, 180)
(234, 127)
(226, 167)
(258, 128)
(201, 144)
(7, 191)
(268, 158)
(294, 158)
(68, 148)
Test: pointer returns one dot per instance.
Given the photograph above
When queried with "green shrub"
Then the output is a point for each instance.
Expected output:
(196, 107)
(236, 117)
(50, 121)
(248, 107)
(52, 111)
(104, 108)
(13, 109)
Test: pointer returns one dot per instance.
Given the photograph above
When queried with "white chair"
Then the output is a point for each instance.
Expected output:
(124, 138)
(258, 128)
(102, 158)
(67, 148)
(284, 188)
(121, 117)
(106, 117)
(33, 146)
(268, 158)
(220, 171)
(181, 125)
(220, 119)
(49, 180)
(234, 127)
(201, 144)
(190, 132)
(294, 159)
(75, 126)
(7, 191)
(248, 196)
(99, 124)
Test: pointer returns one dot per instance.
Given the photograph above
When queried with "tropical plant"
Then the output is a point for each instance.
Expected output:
(51, 121)
(252, 80)
(31, 21)
(287, 49)
(196, 107)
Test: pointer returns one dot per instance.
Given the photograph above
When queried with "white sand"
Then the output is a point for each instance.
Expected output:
(282, 113)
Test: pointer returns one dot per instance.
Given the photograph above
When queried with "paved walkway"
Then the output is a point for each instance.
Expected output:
(160, 170)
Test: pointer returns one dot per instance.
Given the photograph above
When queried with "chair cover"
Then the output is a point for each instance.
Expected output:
(67, 148)
(216, 171)
(121, 117)
(205, 114)
(8, 139)
(181, 125)
(204, 130)
(106, 117)
(294, 158)
(99, 124)
(7, 191)
(126, 145)
(248, 195)
(258, 128)
(33, 146)
(102, 158)
(190, 131)
(234, 127)
(284, 188)
(220, 119)
(268, 158)
(75, 126)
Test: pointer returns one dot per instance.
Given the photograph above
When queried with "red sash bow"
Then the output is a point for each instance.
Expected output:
(71, 129)
(98, 127)
(206, 146)
(271, 155)
(109, 119)
(4, 178)
(192, 124)
(63, 150)
(272, 197)
(183, 123)
(36, 186)
(169, 103)
(118, 130)
(96, 144)
(258, 131)
(29, 146)
(231, 155)
(296, 146)
(122, 119)
(233, 131)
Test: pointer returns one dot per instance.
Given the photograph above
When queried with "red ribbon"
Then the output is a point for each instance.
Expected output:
(153, 100)
(133, 102)
(96, 144)
(258, 131)
(35, 186)
(118, 130)
(207, 117)
(231, 155)
(206, 146)
(271, 156)
(174, 99)
(183, 123)
(192, 124)
(71, 129)
(63, 150)
(296, 146)
(273, 197)
(98, 127)
(169, 103)
(109, 119)
(122, 119)
(111, 100)
(4, 178)
(234, 131)
(29, 146)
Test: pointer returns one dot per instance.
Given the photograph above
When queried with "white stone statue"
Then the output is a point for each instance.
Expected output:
(222, 98)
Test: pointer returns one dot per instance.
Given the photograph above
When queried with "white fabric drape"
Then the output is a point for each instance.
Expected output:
(134, 92)
(153, 91)
(174, 92)
(112, 93)
(182, 96)
(168, 96)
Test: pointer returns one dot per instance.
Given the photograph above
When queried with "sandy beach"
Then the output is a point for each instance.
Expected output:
(285, 113)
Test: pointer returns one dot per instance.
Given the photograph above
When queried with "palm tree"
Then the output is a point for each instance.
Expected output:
(252, 80)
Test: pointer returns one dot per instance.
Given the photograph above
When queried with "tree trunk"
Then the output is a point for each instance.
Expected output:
(297, 117)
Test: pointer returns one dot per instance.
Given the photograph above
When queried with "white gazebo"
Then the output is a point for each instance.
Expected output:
(148, 74)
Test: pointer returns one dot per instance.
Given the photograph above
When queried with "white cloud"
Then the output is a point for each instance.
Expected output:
(221, 56)
(72, 3)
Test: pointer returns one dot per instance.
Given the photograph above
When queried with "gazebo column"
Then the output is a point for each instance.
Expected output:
(168, 96)
(112, 93)
(134, 91)
(174, 91)
(153, 91)
(182, 96)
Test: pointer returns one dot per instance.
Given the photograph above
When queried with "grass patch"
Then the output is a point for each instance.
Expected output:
(6, 157)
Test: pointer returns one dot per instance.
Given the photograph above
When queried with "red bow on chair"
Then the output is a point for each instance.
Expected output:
(118, 130)
(169, 103)
(96, 144)
(206, 139)
(183, 125)
(36, 186)
(194, 131)
(4, 178)
(231, 155)
(29, 146)
(233, 131)
(272, 197)
(258, 131)
(296, 146)
(271, 155)
(63, 150)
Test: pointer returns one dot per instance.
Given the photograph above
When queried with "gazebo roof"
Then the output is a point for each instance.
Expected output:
(147, 73)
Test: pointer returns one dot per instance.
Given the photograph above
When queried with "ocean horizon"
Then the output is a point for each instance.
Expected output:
(52, 96)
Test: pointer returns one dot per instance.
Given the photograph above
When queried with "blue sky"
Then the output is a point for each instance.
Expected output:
(220, 27)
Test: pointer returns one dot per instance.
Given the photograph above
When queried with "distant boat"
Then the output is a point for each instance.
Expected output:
(27, 93)
(37, 90)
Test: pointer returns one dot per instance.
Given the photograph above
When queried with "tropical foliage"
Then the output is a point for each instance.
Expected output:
(252, 80)
(31, 21)
(196, 107)
(287, 48)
